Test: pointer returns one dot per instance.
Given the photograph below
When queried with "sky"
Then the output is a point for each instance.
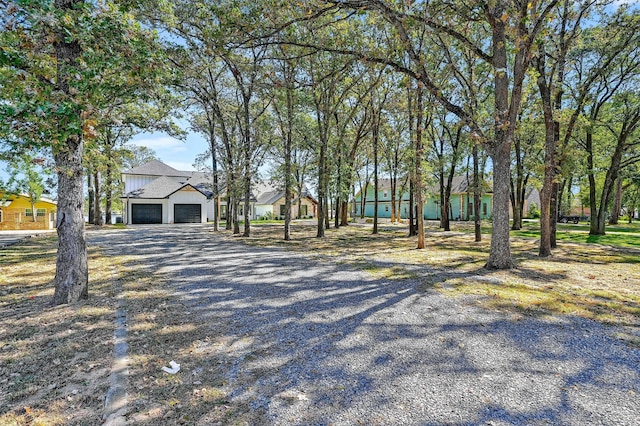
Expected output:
(174, 152)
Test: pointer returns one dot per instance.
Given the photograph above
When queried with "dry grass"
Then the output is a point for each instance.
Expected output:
(54, 361)
(588, 280)
(161, 329)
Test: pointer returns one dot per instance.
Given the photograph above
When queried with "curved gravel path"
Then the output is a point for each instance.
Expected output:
(312, 343)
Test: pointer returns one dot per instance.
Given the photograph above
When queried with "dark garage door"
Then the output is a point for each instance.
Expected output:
(186, 213)
(146, 213)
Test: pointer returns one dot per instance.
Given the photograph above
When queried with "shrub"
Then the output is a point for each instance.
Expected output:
(534, 212)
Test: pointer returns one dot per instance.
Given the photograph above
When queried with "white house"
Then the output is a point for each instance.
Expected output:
(158, 193)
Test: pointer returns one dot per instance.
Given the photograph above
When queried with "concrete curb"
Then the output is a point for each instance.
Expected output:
(115, 404)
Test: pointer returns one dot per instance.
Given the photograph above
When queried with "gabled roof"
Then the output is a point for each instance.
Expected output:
(6, 199)
(459, 185)
(269, 197)
(156, 168)
(162, 187)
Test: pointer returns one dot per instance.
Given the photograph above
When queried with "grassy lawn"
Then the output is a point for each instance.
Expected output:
(622, 235)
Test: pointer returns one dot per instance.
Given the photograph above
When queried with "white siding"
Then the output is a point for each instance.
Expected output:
(188, 196)
(133, 182)
(263, 209)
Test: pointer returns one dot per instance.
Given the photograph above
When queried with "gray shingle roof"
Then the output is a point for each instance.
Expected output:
(269, 197)
(156, 168)
(161, 188)
(459, 185)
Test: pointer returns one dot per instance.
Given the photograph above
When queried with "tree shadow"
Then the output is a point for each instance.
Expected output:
(294, 341)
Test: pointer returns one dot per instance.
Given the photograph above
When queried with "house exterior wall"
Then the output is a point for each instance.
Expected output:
(14, 217)
(294, 208)
(431, 207)
(187, 195)
(133, 182)
(263, 210)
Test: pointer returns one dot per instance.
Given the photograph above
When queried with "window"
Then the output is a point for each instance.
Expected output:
(41, 212)
(484, 209)
(1, 215)
(386, 208)
(283, 209)
(28, 212)
(385, 194)
(223, 212)
(303, 210)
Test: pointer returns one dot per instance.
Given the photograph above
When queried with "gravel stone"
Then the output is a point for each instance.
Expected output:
(316, 343)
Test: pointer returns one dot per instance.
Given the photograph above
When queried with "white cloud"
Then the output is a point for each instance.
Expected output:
(178, 165)
(162, 142)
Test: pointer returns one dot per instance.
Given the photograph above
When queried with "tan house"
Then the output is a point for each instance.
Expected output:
(267, 201)
(16, 212)
(272, 204)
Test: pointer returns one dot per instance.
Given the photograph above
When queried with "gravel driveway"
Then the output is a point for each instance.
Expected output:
(324, 344)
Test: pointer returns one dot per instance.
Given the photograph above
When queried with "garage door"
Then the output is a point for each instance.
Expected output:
(146, 213)
(186, 213)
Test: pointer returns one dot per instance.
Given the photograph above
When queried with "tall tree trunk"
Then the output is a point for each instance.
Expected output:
(287, 166)
(97, 216)
(344, 213)
(553, 214)
(322, 188)
(108, 193)
(214, 172)
(72, 276)
(327, 223)
(477, 195)
(617, 203)
(418, 167)
(90, 199)
(247, 168)
(229, 218)
(338, 199)
(413, 229)
(375, 172)
(394, 184)
(236, 216)
(500, 148)
(363, 198)
(71, 281)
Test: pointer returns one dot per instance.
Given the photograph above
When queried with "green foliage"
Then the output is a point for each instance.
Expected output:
(534, 211)
(45, 102)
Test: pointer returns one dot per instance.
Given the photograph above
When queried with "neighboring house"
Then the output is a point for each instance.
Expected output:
(267, 201)
(158, 193)
(16, 213)
(461, 201)
(270, 202)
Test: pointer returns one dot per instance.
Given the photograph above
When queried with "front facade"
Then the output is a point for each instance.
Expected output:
(157, 193)
(17, 213)
(460, 202)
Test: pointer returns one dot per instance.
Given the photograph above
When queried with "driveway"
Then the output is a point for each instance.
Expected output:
(8, 238)
(313, 342)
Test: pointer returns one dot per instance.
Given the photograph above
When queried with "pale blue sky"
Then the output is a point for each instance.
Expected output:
(174, 152)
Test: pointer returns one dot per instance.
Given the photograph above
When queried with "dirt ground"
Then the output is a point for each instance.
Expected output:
(55, 361)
